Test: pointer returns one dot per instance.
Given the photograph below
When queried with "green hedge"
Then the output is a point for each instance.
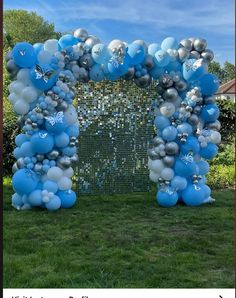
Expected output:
(221, 176)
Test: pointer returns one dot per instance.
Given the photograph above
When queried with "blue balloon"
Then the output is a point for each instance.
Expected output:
(38, 47)
(69, 151)
(24, 55)
(191, 145)
(100, 53)
(185, 128)
(96, 73)
(35, 198)
(26, 149)
(17, 201)
(153, 48)
(68, 40)
(179, 183)
(210, 113)
(209, 151)
(193, 69)
(161, 58)
(174, 66)
(206, 190)
(20, 139)
(53, 204)
(156, 72)
(169, 43)
(136, 53)
(169, 133)
(42, 142)
(62, 140)
(50, 186)
(17, 153)
(118, 69)
(55, 127)
(193, 195)
(161, 122)
(185, 168)
(24, 181)
(72, 131)
(67, 197)
(209, 84)
(167, 199)
(203, 167)
(43, 76)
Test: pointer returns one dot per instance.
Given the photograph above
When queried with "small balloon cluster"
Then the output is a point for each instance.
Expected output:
(42, 94)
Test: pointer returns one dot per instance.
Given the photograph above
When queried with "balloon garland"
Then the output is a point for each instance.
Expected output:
(43, 91)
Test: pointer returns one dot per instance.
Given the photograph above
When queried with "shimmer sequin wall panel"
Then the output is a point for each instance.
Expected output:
(116, 125)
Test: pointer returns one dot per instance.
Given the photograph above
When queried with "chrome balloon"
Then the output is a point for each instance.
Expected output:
(81, 34)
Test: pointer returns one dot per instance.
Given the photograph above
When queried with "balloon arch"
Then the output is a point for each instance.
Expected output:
(42, 95)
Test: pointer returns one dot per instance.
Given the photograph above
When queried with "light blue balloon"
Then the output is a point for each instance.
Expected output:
(169, 133)
(209, 84)
(193, 69)
(24, 55)
(68, 40)
(20, 139)
(54, 203)
(62, 140)
(210, 113)
(17, 201)
(67, 197)
(96, 73)
(72, 131)
(174, 66)
(161, 58)
(193, 195)
(35, 198)
(24, 181)
(166, 199)
(100, 53)
(42, 142)
(179, 183)
(17, 153)
(161, 122)
(136, 54)
(185, 128)
(38, 47)
(209, 151)
(50, 186)
(169, 43)
(69, 151)
(153, 48)
(26, 149)
(206, 190)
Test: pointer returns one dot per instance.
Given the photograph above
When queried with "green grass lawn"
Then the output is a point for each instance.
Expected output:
(123, 241)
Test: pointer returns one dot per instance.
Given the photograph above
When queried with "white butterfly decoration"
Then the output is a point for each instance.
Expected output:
(187, 158)
(41, 74)
(196, 187)
(55, 118)
(43, 135)
(190, 65)
(22, 52)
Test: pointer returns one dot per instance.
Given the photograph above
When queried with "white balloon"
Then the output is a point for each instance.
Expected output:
(70, 115)
(167, 109)
(44, 178)
(51, 46)
(29, 94)
(64, 183)
(23, 75)
(21, 107)
(154, 176)
(11, 87)
(13, 97)
(18, 87)
(54, 173)
(68, 172)
(44, 57)
(156, 165)
(215, 137)
(167, 174)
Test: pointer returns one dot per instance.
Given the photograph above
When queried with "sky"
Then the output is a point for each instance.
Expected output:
(150, 20)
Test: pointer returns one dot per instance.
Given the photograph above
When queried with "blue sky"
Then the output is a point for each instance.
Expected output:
(150, 20)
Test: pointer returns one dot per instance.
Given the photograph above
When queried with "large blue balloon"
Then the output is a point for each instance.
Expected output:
(161, 122)
(24, 181)
(117, 69)
(193, 69)
(209, 84)
(191, 145)
(67, 197)
(68, 40)
(193, 195)
(136, 53)
(210, 113)
(43, 76)
(26, 149)
(24, 54)
(50, 186)
(62, 140)
(161, 58)
(53, 204)
(55, 124)
(185, 168)
(169, 133)
(42, 142)
(169, 43)
(209, 151)
(20, 139)
(167, 199)
(100, 53)
(35, 198)
(72, 131)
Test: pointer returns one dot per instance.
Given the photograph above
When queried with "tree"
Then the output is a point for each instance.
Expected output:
(229, 69)
(21, 25)
(225, 73)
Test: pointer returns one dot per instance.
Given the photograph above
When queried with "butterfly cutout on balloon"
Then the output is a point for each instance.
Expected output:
(22, 52)
(41, 74)
(193, 65)
(55, 118)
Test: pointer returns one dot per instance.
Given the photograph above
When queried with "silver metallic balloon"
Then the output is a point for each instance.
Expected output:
(181, 85)
(197, 110)
(160, 89)
(207, 55)
(74, 158)
(170, 94)
(86, 61)
(11, 67)
(64, 162)
(209, 99)
(157, 141)
(20, 163)
(171, 148)
(152, 154)
(166, 81)
(45, 113)
(183, 54)
(200, 44)
(83, 75)
(169, 161)
(9, 56)
(142, 43)
(194, 55)
(214, 125)
(187, 43)
(90, 42)
(81, 34)
(144, 81)
(40, 157)
(62, 106)
(193, 119)
(53, 154)
(129, 74)
(14, 168)
(38, 167)
(149, 62)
